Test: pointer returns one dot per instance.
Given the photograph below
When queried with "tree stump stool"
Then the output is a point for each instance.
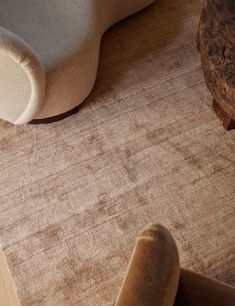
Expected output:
(216, 42)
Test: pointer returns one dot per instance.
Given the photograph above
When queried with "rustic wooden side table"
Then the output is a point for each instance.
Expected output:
(216, 42)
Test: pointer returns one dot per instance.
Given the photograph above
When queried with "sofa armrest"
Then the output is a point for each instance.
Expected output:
(22, 80)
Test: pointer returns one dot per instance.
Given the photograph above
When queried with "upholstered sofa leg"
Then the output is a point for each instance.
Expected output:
(153, 274)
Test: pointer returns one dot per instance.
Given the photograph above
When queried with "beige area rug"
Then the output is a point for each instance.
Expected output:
(145, 147)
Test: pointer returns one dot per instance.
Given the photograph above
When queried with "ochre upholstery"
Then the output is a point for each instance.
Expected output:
(197, 290)
(154, 277)
(153, 274)
(49, 53)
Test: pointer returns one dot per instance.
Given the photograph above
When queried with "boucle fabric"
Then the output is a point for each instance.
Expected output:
(65, 40)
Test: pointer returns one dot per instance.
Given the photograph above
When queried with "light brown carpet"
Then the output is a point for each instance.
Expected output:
(145, 147)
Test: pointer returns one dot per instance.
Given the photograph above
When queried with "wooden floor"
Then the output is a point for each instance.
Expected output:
(145, 147)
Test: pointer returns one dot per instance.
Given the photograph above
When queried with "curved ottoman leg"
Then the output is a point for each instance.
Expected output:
(153, 273)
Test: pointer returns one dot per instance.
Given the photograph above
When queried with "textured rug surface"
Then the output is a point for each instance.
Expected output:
(144, 147)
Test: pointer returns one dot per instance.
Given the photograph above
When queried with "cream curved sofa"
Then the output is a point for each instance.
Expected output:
(49, 51)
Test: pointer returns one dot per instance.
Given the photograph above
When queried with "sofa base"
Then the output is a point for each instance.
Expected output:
(56, 118)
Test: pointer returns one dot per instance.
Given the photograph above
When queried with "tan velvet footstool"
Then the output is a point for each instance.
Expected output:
(49, 53)
(154, 277)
